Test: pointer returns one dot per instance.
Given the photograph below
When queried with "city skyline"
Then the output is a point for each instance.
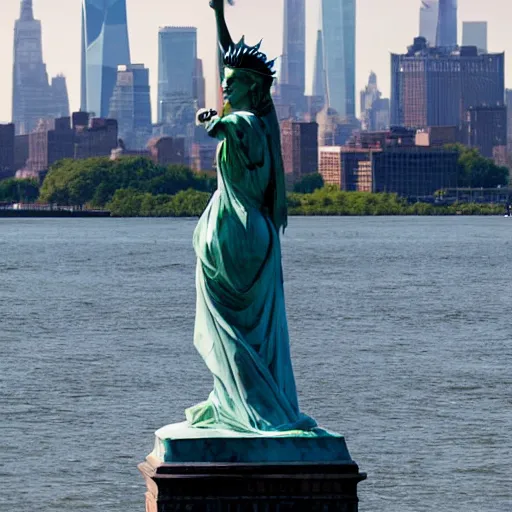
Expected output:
(375, 39)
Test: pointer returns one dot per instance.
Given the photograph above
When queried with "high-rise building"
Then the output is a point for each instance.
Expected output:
(292, 80)
(177, 64)
(339, 49)
(200, 85)
(105, 46)
(429, 14)
(299, 142)
(60, 99)
(131, 105)
(474, 33)
(319, 72)
(52, 141)
(487, 129)
(7, 151)
(31, 95)
(437, 86)
(508, 101)
(446, 34)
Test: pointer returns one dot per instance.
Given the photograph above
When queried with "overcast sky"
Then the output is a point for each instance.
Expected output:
(383, 26)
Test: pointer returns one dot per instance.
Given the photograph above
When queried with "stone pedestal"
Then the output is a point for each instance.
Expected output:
(193, 470)
(235, 487)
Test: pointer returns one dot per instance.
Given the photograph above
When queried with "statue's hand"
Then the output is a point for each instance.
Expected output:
(204, 115)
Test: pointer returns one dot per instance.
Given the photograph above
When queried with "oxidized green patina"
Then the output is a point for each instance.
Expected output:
(241, 328)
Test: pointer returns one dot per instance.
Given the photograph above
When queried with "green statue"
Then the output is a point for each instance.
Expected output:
(241, 328)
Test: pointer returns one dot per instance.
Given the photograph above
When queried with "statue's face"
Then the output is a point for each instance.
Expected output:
(238, 89)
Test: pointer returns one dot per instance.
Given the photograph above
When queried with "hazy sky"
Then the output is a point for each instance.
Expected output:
(382, 26)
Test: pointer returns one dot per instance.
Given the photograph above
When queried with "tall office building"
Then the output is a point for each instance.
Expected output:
(177, 64)
(319, 72)
(130, 105)
(429, 13)
(105, 46)
(7, 139)
(292, 80)
(487, 129)
(446, 34)
(339, 48)
(31, 95)
(508, 102)
(474, 33)
(436, 86)
(374, 108)
(60, 98)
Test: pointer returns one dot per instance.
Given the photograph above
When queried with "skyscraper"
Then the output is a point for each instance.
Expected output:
(105, 46)
(130, 105)
(436, 86)
(319, 72)
(60, 99)
(339, 47)
(446, 35)
(429, 14)
(177, 64)
(474, 33)
(292, 80)
(31, 95)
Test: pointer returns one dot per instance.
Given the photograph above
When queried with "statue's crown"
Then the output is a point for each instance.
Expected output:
(242, 56)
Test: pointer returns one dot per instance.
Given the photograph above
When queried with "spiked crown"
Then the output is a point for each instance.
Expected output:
(242, 56)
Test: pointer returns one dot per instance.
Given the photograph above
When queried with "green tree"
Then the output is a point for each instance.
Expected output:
(19, 190)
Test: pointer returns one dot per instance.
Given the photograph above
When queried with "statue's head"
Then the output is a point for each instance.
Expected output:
(248, 77)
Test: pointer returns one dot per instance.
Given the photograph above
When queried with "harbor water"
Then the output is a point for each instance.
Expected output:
(401, 333)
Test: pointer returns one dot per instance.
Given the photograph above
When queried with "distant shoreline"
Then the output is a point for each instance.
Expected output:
(106, 214)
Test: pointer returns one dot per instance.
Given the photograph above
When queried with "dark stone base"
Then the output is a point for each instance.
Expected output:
(232, 487)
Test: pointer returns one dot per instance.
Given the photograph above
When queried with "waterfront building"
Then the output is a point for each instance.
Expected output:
(177, 65)
(446, 34)
(429, 14)
(130, 105)
(414, 172)
(31, 93)
(93, 137)
(60, 98)
(50, 142)
(105, 46)
(339, 51)
(436, 87)
(409, 171)
(474, 33)
(487, 129)
(292, 80)
(347, 168)
(299, 142)
(7, 138)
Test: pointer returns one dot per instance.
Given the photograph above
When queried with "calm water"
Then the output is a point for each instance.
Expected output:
(401, 335)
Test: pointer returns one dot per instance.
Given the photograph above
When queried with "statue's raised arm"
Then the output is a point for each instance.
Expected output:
(223, 34)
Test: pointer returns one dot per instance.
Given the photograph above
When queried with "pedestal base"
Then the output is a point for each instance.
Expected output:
(259, 487)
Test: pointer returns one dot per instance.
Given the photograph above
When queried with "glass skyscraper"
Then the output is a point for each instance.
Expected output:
(177, 64)
(429, 14)
(105, 46)
(339, 47)
(130, 105)
(447, 24)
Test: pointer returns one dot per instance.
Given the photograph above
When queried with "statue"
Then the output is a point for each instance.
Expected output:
(241, 328)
